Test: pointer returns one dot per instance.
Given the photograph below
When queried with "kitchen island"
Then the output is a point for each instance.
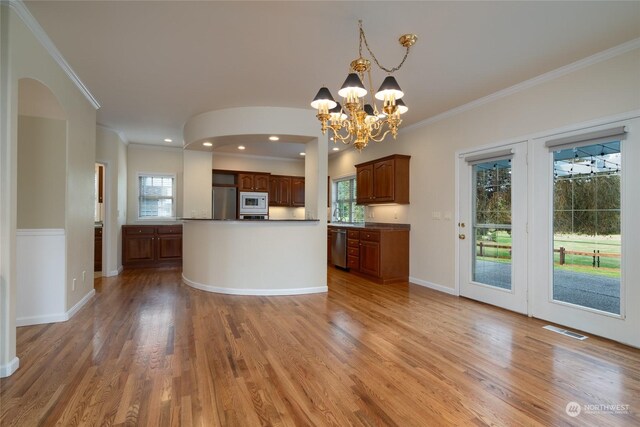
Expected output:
(255, 257)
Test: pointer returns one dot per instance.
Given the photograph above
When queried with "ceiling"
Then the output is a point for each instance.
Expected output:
(153, 65)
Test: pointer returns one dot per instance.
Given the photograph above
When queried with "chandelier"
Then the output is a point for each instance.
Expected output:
(358, 122)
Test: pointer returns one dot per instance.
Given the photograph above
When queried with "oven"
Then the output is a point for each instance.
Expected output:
(254, 204)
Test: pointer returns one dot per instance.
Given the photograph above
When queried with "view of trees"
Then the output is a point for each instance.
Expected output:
(587, 204)
(493, 193)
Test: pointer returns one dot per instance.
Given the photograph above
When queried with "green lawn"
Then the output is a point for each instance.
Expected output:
(609, 266)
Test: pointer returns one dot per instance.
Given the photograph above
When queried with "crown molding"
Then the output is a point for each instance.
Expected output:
(22, 11)
(120, 134)
(527, 84)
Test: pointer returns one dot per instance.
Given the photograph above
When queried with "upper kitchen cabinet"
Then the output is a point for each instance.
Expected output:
(253, 182)
(286, 191)
(297, 191)
(384, 180)
(279, 190)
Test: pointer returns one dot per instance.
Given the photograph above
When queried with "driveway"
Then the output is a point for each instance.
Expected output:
(588, 290)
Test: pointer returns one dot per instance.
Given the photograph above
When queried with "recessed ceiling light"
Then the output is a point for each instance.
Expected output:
(303, 154)
(335, 149)
(207, 144)
(241, 147)
(273, 138)
(168, 140)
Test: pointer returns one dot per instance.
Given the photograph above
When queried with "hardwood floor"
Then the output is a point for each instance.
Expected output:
(148, 350)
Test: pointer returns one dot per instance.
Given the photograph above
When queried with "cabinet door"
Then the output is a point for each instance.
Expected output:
(245, 182)
(261, 182)
(370, 258)
(383, 181)
(274, 191)
(297, 191)
(97, 250)
(138, 248)
(364, 184)
(169, 247)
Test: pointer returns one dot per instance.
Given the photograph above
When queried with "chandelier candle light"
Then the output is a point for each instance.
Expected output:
(358, 122)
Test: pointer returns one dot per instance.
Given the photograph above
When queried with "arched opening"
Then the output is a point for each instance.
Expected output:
(41, 199)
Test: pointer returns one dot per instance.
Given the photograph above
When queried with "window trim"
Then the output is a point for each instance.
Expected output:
(174, 197)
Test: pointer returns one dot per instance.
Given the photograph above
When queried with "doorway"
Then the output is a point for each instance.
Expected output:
(546, 228)
(492, 226)
(99, 213)
(585, 233)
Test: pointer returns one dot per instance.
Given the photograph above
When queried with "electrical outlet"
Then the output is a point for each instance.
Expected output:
(73, 284)
(84, 276)
(395, 214)
(372, 215)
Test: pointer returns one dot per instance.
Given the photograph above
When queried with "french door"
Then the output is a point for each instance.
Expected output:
(492, 215)
(585, 245)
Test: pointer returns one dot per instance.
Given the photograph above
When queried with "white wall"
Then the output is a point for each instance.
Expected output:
(152, 159)
(197, 184)
(111, 150)
(23, 56)
(598, 90)
(41, 172)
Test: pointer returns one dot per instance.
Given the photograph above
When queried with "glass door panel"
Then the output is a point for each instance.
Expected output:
(586, 226)
(491, 252)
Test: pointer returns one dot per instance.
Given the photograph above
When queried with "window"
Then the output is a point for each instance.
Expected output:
(345, 208)
(156, 196)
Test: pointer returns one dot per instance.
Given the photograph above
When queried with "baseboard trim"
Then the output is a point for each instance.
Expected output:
(114, 272)
(80, 304)
(255, 292)
(9, 368)
(440, 288)
(55, 318)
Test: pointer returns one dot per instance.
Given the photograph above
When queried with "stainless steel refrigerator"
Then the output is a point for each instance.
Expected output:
(224, 203)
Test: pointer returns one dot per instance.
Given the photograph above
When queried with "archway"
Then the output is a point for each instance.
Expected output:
(41, 198)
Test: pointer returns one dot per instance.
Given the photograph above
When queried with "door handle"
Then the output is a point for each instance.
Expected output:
(461, 236)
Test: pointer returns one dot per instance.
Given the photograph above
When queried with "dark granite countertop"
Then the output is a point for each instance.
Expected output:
(372, 226)
(251, 220)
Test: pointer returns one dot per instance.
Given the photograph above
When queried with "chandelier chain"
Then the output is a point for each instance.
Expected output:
(364, 38)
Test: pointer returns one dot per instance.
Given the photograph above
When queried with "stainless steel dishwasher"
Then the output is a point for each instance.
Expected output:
(339, 247)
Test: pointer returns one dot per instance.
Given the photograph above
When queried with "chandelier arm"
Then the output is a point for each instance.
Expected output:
(337, 137)
(364, 38)
(375, 139)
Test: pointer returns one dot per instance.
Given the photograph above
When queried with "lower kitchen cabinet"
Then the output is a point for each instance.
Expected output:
(97, 249)
(151, 245)
(380, 254)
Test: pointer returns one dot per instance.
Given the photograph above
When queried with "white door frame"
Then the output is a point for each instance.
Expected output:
(624, 327)
(516, 298)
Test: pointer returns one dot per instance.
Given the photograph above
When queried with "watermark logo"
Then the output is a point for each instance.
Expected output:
(573, 409)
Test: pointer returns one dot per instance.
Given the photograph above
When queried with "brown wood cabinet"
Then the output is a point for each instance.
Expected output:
(286, 191)
(151, 245)
(380, 254)
(279, 190)
(97, 249)
(253, 182)
(297, 191)
(384, 180)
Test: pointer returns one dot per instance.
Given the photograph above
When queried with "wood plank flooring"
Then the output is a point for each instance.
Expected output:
(148, 350)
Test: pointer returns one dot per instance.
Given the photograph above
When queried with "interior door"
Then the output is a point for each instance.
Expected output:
(585, 247)
(492, 215)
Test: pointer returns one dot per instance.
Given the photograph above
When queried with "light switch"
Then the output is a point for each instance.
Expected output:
(447, 216)
(436, 215)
